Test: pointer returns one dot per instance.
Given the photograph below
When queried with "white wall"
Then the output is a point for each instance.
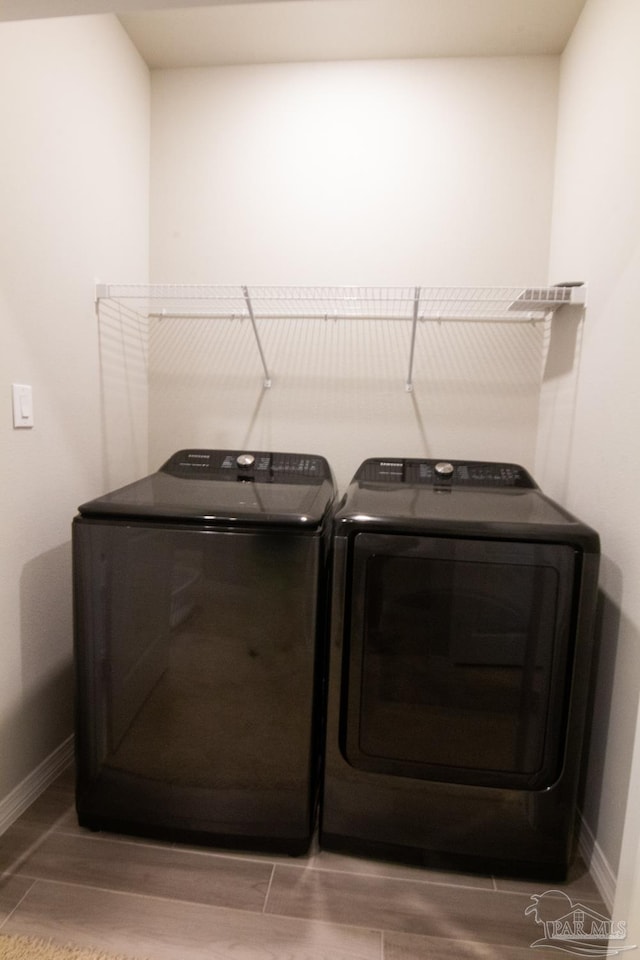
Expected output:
(372, 173)
(74, 116)
(589, 452)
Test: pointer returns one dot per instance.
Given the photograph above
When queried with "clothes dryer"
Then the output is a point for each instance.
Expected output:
(199, 597)
(463, 603)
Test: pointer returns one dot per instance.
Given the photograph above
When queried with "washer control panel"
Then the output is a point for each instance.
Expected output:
(239, 465)
(445, 473)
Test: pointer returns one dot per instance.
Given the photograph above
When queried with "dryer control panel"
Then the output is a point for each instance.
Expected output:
(245, 465)
(445, 473)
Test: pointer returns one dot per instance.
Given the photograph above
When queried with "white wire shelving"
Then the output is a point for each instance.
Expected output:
(413, 305)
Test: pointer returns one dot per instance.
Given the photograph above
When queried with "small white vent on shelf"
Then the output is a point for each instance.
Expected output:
(534, 297)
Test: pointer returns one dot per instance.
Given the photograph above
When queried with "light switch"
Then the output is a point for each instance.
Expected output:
(22, 405)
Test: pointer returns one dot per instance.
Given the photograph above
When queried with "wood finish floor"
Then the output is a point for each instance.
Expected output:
(173, 902)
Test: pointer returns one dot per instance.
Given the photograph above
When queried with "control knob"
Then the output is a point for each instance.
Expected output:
(444, 469)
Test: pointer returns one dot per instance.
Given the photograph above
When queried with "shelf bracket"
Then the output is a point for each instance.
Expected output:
(247, 300)
(414, 327)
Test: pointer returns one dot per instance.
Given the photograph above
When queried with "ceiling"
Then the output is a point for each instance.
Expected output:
(191, 33)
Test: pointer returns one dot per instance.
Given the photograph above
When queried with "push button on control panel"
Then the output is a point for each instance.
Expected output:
(245, 463)
(443, 475)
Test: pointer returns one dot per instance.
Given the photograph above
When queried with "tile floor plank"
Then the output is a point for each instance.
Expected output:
(170, 930)
(342, 863)
(405, 946)
(17, 842)
(162, 871)
(578, 885)
(57, 801)
(12, 891)
(449, 912)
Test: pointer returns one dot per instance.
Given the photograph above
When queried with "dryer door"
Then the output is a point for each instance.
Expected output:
(458, 657)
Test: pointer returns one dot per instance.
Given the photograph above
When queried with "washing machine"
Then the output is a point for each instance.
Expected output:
(199, 595)
(463, 603)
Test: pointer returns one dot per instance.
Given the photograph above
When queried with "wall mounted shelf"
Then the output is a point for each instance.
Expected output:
(413, 305)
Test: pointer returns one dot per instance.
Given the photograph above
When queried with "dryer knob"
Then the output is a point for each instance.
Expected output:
(444, 469)
(245, 460)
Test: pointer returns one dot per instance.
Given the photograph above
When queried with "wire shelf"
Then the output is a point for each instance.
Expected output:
(413, 304)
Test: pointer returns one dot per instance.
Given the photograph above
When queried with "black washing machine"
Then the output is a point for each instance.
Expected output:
(463, 602)
(198, 599)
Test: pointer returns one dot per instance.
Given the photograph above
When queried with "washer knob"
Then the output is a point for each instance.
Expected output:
(444, 469)
(245, 460)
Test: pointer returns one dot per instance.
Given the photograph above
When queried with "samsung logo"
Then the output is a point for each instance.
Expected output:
(387, 463)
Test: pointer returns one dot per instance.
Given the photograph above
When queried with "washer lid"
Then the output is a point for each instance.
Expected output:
(459, 499)
(222, 487)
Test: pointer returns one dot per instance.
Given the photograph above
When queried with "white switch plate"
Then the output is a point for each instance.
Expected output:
(22, 405)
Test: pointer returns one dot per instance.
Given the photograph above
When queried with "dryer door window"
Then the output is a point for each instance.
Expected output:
(458, 659)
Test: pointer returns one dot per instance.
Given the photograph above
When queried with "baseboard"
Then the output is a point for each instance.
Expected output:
(599, 868)
(22, 796)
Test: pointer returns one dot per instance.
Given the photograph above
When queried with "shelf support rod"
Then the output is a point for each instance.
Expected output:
(414, 327)
(247, 299)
